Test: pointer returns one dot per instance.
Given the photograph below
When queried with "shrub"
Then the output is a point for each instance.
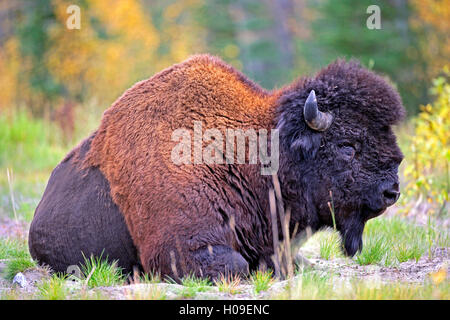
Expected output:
(427, 171)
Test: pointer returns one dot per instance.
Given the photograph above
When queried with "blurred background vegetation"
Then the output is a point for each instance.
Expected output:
(57, 82)
(45, 65)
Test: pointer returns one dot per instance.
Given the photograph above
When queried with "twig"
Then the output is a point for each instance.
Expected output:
(11, 193)
(287, 244)
(273, 215)
(89, 276)
(331, 206)
(284, 219)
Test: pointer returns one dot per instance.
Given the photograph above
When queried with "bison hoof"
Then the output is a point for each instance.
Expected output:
(214, 261)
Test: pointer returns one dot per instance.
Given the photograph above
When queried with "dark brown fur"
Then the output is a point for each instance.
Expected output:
(76, 216)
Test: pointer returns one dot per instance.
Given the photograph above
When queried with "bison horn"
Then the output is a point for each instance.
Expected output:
(316, 119)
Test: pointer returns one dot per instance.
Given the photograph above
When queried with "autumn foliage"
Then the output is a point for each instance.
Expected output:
(428, 157)
(116, 46)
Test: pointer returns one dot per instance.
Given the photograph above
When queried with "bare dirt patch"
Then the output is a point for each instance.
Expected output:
(409, 271)
(10, 228)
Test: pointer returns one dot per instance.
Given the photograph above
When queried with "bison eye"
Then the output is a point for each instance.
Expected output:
(347, 151)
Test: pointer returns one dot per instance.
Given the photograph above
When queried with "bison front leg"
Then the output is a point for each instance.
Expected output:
(210, 261)
(213, 261)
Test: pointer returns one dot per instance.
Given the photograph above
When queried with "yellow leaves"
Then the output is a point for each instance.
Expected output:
(434, 15)
(9, 70)
(409, 169)
(181, 35)
(118, 44)
(427, 171)
(126, 19)
(428, 108)
(439, 276)
(106, 55)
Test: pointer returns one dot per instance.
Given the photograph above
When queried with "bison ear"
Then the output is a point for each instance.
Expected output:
(307, 145)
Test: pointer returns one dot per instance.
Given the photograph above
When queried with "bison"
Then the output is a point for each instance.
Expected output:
(119, 192)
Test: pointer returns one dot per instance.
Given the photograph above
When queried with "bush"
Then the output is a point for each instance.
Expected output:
(427, 172)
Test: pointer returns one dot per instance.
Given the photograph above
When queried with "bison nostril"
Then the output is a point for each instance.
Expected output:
(391, 195)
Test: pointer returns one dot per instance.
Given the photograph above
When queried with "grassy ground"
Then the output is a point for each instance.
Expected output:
(402, 258)
(320, 280)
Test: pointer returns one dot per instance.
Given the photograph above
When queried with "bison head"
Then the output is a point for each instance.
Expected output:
(337, 147)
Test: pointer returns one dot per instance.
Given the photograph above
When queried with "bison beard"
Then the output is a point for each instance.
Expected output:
(352, 237)
(119, 192)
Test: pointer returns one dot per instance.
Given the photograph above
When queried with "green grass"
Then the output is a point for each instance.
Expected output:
(11, 248)
(29, 150)
(261, 280)
(394, 240)
(386, 241)
(54, 288)
(228, 284)
(57, 287)
(17, 265)
(375, 250)
(192, 281)
(312, 285)
(308, 285)
(330, 245)
(21, 193)
(192, 285)
(16, 256)
(147, 278)
(29, 145)
(98, 272)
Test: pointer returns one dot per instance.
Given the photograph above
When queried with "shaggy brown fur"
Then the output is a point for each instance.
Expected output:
(169, 207)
